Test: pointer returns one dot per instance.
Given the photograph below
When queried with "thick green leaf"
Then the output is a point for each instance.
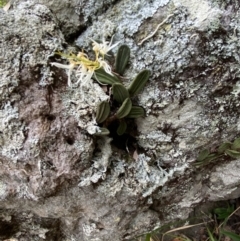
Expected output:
(124, 108)
(236, 144)
(120, 93)
(225, 146)
(103, 111)
(102, 132)
(104, 78)
(233, 153)
(136, 112)
(231, 235)
(203, 154)
(139, 82)
(122, 58)
(122, 128)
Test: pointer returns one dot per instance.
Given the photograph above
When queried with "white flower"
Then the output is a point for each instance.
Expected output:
(85, 66)
(84, 75)
(105, 66)
(103, 47)
(69, 67)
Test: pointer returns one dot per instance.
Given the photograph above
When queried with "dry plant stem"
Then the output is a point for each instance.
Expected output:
(184, 227)
(154, 32)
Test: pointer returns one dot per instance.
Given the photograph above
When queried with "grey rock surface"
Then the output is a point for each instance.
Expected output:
(58, 182)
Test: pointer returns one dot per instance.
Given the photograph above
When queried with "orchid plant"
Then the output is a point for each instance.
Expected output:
(120, 108)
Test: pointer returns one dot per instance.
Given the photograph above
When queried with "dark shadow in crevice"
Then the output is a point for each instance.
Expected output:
(71, 38)
(8, 229)
(127, 141)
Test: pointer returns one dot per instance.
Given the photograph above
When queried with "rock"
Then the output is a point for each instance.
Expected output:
(58, 182)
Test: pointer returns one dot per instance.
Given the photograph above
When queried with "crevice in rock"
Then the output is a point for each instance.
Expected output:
(127, 140)
(71, 38)
(8, 228)
(50, 117)
(70, 140)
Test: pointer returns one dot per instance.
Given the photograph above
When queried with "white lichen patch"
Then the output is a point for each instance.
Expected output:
(236, 89)
(12, 137)
(178, 116)
(3, 190)
(201, 11)
(25, 192)
(21, 56)
(129, 19)
(100, 163)
(224, 181)
(141, 177)
(152, 140)
(112, 184)
(82, 105)
(105, 28)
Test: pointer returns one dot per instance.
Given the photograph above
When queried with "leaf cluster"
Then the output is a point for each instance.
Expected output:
(223, 212)
(123, 107)
(231, 149)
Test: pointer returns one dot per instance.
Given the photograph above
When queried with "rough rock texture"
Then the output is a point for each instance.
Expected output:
(57, 182)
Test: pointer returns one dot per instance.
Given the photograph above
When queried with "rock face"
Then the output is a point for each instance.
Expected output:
(58, 182)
